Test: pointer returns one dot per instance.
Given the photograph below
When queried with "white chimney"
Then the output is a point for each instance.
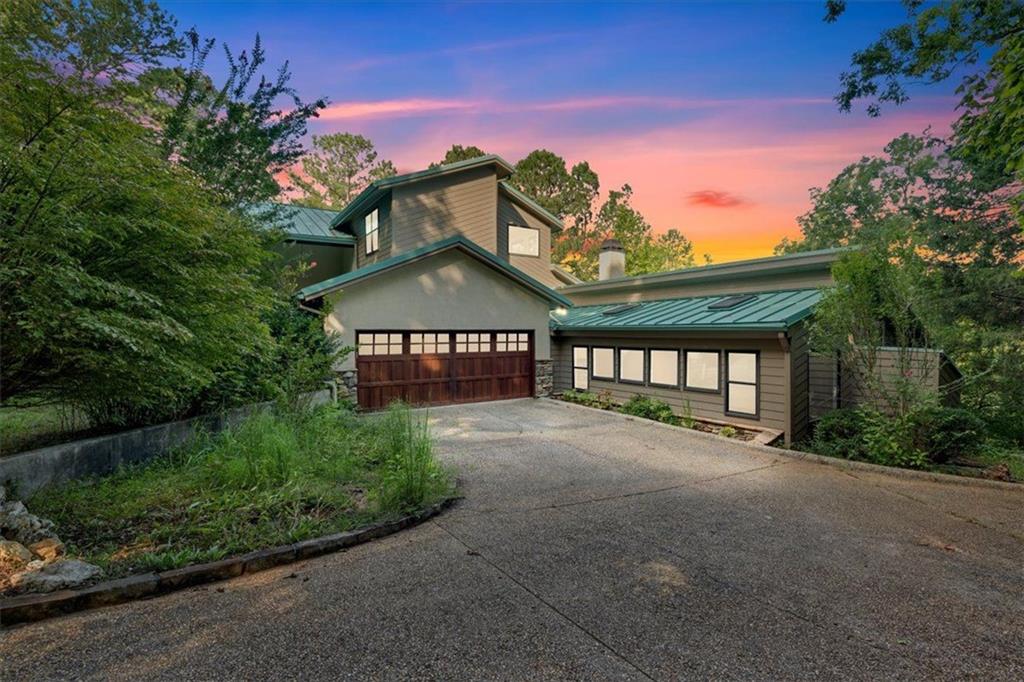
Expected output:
(612, 261)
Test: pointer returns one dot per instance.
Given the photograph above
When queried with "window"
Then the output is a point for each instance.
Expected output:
(665, 368)
(380, 344)
(512, 343)
(472, 343)
(631, 365)
(523, 241)
(702, 370)
(580, 374)
(428, 344)
(741, 383)
(604, 363)
(371, 232)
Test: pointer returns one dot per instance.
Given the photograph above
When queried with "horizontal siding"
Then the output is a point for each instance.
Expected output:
(539, 268)
(922, 365)
(773, 376)
(754, 284)
(458, 204)
(823, 380)
(384, 230)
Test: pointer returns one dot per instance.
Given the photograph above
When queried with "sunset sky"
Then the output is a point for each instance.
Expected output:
(719, 115)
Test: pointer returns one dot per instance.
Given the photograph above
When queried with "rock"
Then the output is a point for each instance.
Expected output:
(13, 555)
(3, 494)
(59, 575)
(997, 472)
(48, 549)
(16, 523)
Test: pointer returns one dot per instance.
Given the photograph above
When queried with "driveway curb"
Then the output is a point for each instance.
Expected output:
(33, 607)
(814, 458)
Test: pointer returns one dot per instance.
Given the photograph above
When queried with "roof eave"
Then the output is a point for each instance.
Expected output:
(532, 206)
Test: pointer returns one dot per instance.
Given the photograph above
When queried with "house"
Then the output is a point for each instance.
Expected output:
(447, 292)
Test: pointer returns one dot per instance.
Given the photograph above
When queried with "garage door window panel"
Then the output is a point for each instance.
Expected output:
(429, 344)
(472, 342)
(379, 343)
(518, 342)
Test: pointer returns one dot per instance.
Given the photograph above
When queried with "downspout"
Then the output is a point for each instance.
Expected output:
(787, 408)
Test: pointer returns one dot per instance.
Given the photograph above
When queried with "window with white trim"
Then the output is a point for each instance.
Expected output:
(512, 343)
(379, 344)
(665, 368)
(631, 365)
(523, 241)
(741, 389)
(604, 363)
(371, 231)
(580, 369)
(701, 370)
(428, 344)
(472, 343)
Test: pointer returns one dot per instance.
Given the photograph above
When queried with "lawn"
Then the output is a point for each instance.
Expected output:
(272, 480)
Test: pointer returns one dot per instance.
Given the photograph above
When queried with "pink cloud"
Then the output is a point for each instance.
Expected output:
(711, 198)
(393, 108)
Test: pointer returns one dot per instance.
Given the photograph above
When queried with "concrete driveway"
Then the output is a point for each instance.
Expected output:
(590, 546)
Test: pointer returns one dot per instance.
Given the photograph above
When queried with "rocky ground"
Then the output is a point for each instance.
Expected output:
(32, 557)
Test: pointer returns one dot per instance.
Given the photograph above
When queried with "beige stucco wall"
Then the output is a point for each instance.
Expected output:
(449, 290)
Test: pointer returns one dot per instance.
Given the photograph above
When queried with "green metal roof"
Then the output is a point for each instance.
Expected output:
(457, 242)
(767, 311)
(378, 188)
(532, 205)
(303, 223)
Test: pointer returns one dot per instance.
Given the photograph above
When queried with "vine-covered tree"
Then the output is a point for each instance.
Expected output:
(338, 168)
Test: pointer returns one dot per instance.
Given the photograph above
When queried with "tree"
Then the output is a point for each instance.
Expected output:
(340, 166)
(946, 219)
(236, 137)
(125, 283)
(459, 153)
(938, 39)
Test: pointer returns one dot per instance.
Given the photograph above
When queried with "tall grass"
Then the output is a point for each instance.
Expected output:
(275, 478)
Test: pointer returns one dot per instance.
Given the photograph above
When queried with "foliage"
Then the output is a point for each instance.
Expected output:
(602, 400)
(276, 478)
(927, 435)
(235, 137)
(125, 285)
(686, 418)
(340, 166)
(459, 153)
(728, 432)
(945, 224)
(838, 434)
(938, 39)
(649, 408)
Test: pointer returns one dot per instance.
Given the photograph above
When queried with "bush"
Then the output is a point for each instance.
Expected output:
(602, 400)
(649, 408)
(947, 432)
(839, 434)
(890, 440)
(728, 432)
(411, 476)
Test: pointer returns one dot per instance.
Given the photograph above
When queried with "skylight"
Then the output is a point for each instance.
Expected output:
(619, 309)
(731, 302)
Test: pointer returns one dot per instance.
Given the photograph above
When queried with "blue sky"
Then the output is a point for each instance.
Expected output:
(679, 100)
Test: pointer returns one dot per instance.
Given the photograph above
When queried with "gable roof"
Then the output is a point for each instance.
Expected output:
(527, 202)
(379, 188)
(402, 259)
(303, 223)
(807, 261)
(767, 311)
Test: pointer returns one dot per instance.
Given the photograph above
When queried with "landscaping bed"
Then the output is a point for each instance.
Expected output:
(658, 410)
(277, 478)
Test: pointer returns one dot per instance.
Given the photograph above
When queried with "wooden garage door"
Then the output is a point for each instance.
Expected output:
(437, 368)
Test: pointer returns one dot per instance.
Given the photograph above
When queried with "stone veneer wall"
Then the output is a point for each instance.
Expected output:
(545, 378)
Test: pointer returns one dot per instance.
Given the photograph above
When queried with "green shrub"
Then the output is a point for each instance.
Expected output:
(946, 432)
(839, 434)
(890, 440)
(686, 418)
(728, 432)
(649, 408)
(579, 397)
(411, 476)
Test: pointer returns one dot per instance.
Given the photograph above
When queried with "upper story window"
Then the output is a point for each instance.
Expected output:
(371, 232)
(523, 241)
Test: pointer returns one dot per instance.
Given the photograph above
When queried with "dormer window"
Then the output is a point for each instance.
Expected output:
(523, 241)
(372, 232)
